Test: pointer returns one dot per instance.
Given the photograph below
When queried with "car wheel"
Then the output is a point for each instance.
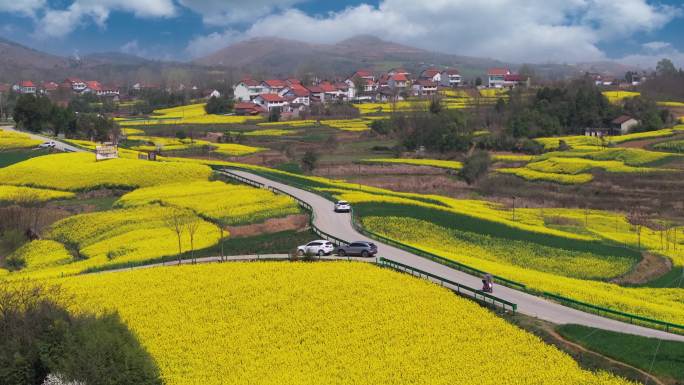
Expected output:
(320, 253)
(364, 254)
(300, 252)
(341, 253)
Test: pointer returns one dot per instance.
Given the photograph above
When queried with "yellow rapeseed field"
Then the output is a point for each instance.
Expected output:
(15, 140)
(448, 164)
(289, 123)
(619, 96)
(227, 203)
(14, 193)
(188, 114)
(80, 171)
(534, 175)
(322, 323)
(532, 266)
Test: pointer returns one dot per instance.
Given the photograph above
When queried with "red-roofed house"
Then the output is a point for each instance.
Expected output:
(363, 74)
(398, 71)
(432, 74)
(424, 87)
(108, 90)
(49, 87)
(271, 101)
(297, 94)
(247, 89)
(623, 124)
(273, 86)
(77, 85)
(451, 78)
(248, 108)
(93, 87)
(398, 81)
(497, 77)
(27, 87)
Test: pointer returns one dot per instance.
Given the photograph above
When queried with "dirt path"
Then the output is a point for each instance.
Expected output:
(649, 268)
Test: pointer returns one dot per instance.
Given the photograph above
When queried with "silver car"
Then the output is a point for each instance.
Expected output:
(319, 248)
(361, 248)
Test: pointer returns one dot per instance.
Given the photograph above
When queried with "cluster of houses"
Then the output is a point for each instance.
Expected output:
(632, 79)
(74, 85)
(288, 95)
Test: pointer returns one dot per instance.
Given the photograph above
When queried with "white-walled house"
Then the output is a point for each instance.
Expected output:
(497, 77)
(247, 90)
(450, 78)
(425, 87)
(271, 101)
(273, 86)
(431, 74)
(297, 94)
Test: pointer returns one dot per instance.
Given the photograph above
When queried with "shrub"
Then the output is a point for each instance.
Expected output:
(475, 166)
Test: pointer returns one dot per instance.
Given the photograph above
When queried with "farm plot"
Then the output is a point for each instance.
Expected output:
(261, 318)
(226, 203)
(80, 171)
(188, 114)
(448, 164)
(15, 141)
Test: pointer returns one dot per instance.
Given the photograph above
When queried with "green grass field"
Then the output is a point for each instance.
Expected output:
(11, 157)
(662, 358)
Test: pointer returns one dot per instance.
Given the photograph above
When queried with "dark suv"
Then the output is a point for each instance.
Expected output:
(362, 248)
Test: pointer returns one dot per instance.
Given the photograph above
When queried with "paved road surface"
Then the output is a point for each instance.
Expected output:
(339, 225)
(58, 145)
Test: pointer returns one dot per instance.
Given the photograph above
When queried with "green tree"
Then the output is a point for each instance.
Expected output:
(219, 105)
(665, 67)
(32, 112)
(475, 166)
(310, 160)
(359, 85)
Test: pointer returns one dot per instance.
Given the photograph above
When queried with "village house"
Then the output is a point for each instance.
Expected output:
(297, 94)
(247, 90)
(431, 74)
(496, 77)
(623, 124)
(450, 78)
(619, 126)
(248, 108)
(398, 81)
(424, 87)
(49, 87)
(271, 101)
(75, 84)
(504, 78)
(26, 87)
(272, 86)
(108, 90)
(398, 71)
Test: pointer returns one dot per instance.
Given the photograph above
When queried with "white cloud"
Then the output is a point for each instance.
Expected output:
(653, 52)
(227, 12)
(204, 45)
(23, 7)
(512, 30)
(61, 22)
(656, 45)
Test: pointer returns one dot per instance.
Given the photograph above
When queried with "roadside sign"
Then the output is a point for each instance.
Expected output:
(106, 151)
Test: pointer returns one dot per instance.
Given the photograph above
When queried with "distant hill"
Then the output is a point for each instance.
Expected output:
(282, 57)
(20, 62)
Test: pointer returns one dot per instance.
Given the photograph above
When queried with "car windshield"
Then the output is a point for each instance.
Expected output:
(342, 203)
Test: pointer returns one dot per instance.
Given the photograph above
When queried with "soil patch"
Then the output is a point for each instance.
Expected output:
(649, 268)
(270, 226)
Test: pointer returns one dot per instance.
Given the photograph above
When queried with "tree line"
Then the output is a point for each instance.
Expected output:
(38, 113)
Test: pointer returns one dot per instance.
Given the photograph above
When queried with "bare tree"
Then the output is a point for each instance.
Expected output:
(175, 220)
(192, 224)
(637, 219)
(222, 234)
(33, 206)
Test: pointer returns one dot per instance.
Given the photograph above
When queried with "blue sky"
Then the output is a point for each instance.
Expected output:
(632, 31)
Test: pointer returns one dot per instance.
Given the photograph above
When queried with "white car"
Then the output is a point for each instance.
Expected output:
(47, 145)
(342, 207)
(319, 248)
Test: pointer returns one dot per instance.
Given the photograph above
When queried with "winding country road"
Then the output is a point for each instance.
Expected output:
(339, 225)
(61, 146)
